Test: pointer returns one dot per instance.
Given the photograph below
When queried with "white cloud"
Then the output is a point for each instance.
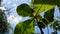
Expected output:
(13, 19)
(15, 5)
(16, 0)
(3, 2)
(20, 18)
(2, 8)
(9, 1)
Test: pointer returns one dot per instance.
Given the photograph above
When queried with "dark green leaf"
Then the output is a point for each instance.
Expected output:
(49, 15)
(41, 21)
(24, 10)
(41, 25)
(26, 27)
(45, 22)
(48, 2)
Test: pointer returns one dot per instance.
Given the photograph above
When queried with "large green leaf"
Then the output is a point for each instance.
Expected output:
(49, 15)
(38, 8)
(42, 5)
(24, 10)
(26, 27)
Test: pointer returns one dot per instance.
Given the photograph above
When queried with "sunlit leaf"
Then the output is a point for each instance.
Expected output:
(38, 8)
(24, 10)
(26, 27)
(43, 5)
(49, 15)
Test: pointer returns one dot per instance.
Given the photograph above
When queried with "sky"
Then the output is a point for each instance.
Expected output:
(14, 18)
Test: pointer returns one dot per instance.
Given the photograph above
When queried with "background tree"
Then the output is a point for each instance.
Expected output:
(3, 21)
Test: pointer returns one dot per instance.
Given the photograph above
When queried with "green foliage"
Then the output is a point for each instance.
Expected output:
(39, 18)
(26, 27)
(55, 25)
(24, 10)
(48, 2)
(41, 25)
(45, 22)
(41, 21)
(3, 23)
(40, 6)
(49, 15)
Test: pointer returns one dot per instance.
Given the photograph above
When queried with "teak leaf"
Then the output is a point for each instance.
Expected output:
(24, 10)
(49, 15)
(43, 5)
(26, 27)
